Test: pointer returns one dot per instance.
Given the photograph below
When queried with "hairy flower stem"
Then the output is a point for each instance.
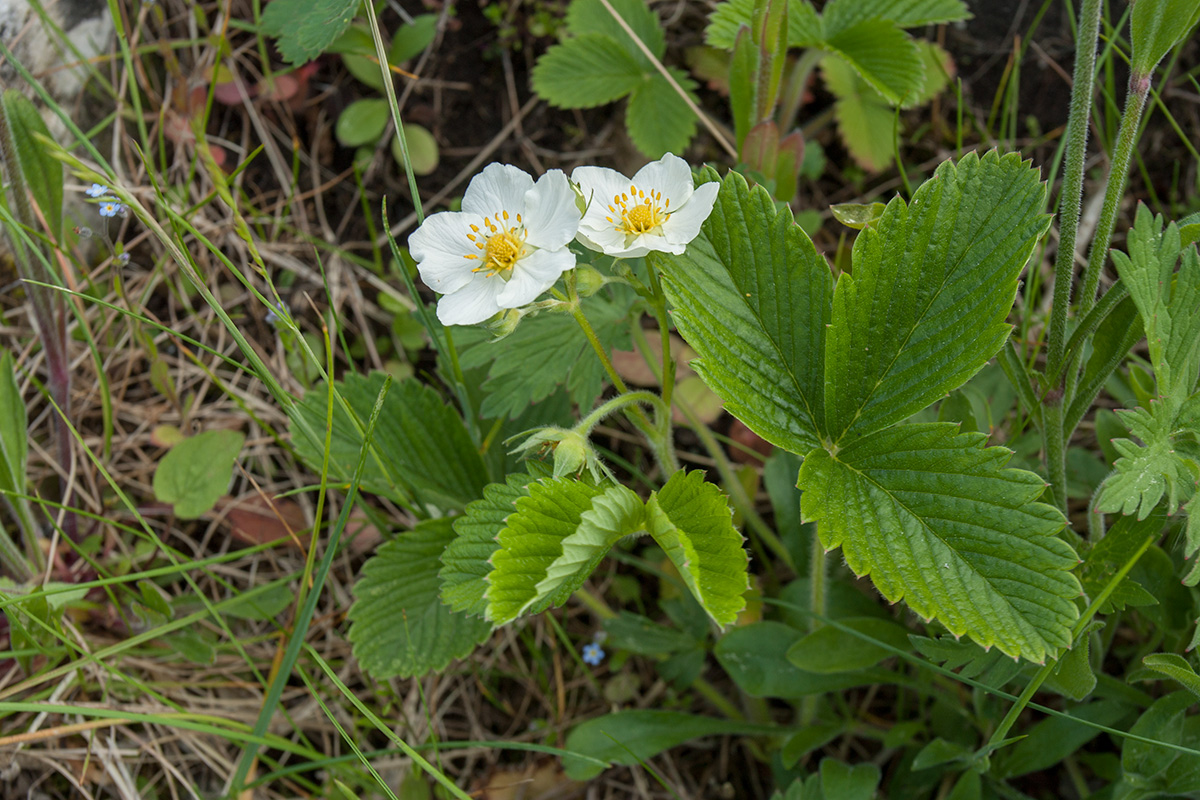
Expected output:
(1053, 397)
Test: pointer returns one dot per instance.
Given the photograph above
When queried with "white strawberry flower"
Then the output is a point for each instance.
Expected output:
(506, 246)
(658, 209)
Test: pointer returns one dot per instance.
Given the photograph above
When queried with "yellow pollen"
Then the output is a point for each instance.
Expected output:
(503, 251)
(644, 214)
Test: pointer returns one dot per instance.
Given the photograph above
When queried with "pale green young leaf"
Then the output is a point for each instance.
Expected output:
(586, 71)
(362, 121)
(1163, 465)
(692, 522)
(467, 559)
(804, 23)
(306, 28)
(1156, 27)
(1175, 667)
(532, 540)
(935, 519)
(412, 38)
(658, 119)
(41, 172)
(845, 782)
(752, 297)
(883, 55)
(398, 625)
(195, 473)
(866, 121)
(842, 14)
(420, 444)
(590, 16)
(931, 287)
(14, 431)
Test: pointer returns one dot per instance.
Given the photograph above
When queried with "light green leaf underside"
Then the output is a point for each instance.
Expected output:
(399, 627)
(419, 444)
(752, 297)
(658, 119)
(586, 71)
(195, 473)
(932, 284)
(1166, 464)
(804, 24)
(935, 519)
(883, 55)
(590, 16)
(467, 559)
(691, 520)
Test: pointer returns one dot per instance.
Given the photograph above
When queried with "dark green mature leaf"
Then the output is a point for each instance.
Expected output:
(398, 626)
(842, 14)
(545, 351)
(1175, 667)
(931, 287)
(586, 71)
(804, 24)
(658, 119)
(362, 122)
(1056, 738)
(691, 521)
(1143, 762)
(629, 737)
(845, 782)
(306, 28)
(913, 497)
(467, 559)
(752, 297)
(42, 174)
(590, 16)
(1156, 27)
(991, 668)
(1111, 554)
(883, 55)
(420, 444)
(832, 649)
(196, 472)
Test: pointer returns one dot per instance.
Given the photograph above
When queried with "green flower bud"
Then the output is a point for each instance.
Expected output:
(588, 280)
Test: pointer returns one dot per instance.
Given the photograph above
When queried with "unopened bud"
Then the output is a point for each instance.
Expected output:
(588, 280)
(505, 323)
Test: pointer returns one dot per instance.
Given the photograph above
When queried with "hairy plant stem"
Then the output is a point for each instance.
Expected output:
(1053, 396)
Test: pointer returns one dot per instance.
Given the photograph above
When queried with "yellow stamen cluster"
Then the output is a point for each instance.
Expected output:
(502, 244)
(638, 212)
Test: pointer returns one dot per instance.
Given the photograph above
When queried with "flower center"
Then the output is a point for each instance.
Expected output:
(501, 246)
(639, 213)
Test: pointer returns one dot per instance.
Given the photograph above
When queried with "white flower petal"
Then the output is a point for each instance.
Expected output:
(473, 303)
(440, 247)
(684, 224)
(599, 185)
(534, 274)
(670, 175)
(551, 217)
(605, 241)
(500, 187)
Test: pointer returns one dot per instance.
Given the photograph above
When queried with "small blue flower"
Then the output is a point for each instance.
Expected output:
(123, 258)
(97, 190)
(109, 209)
(593, 654)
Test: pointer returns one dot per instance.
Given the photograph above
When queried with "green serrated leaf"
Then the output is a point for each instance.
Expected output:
(991, 667)
(420, 443)
(752, 297)
(467, 559)
(932, 285)
(196, 472)
(804, 24)
(866, 121)
(362, 121)
(586, 71)
(545, 351)
(883, 55)
(1176, 668)
(846, 782)
(1156, 27)
(934, 518)
(306, 28)
(42, 174)
(842, 14)
(658, 119)
(691, 521)
(590, 16)
(398, 625)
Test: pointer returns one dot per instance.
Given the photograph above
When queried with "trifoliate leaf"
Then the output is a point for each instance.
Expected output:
(883, 55)
(306, 28)
(467, 559)
(547, 350)
(935, 519)
(932, 284)
(420, 444)
(586, 71)
(842, 14)
(804, 24)
(691, 521)
(658, 119)
(399, 627)
(196, 472)
(590, 16)
(752, 297)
